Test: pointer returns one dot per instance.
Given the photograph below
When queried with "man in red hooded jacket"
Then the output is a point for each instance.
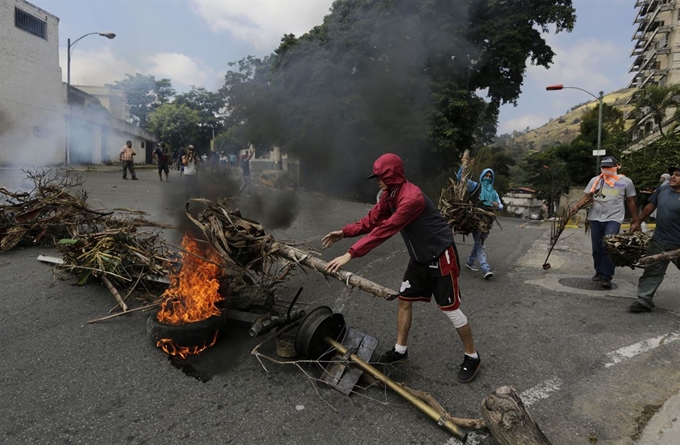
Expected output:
(433, 268)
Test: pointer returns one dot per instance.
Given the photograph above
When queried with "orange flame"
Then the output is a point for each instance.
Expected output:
(171, 348)
(193, 293)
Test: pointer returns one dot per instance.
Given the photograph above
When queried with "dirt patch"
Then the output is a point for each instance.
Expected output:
(641, 421)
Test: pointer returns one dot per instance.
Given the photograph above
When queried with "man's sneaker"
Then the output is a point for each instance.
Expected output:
(636, 307)
(469, 368)
(393, 357)
(606, 283)
(471, 267)
(488, 275)
(596, 277)
(134, 179)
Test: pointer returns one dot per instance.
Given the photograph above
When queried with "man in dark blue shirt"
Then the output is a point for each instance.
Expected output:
(666, 202)
(245, 165)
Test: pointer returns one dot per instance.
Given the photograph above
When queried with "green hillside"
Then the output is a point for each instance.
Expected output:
(567, 127)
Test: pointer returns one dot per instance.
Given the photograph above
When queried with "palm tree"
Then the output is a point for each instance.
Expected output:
(657, 100)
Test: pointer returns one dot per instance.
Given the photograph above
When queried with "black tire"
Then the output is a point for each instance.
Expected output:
(187, 335)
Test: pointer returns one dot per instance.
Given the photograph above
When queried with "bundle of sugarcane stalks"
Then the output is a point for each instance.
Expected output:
(245, 245)
(462, 215)
(55, 208)
(626, 249)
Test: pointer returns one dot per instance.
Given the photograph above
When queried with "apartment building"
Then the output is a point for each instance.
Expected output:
(656, 54)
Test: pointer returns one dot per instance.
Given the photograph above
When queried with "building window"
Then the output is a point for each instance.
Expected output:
(29, 23)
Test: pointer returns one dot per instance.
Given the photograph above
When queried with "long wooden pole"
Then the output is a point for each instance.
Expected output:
(663, 256)
(304, 258)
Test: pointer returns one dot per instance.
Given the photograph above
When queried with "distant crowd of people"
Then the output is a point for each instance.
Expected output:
(186, 160)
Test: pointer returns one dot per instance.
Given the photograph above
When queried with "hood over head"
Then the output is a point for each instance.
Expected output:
(390, 169)
(484, 172)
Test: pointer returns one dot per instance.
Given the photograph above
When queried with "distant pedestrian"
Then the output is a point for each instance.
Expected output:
(190, 162)
(180, 164)
(610, 191)
(245, 166)
(665, 200)
(232, 160)
(175, 159)
(161, 155)
(127, 155)
(484, 196)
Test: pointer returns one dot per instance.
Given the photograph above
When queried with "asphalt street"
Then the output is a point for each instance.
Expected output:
(588, 371)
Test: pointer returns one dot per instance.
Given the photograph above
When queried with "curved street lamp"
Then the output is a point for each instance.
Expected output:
(108, 35)
(600, 98)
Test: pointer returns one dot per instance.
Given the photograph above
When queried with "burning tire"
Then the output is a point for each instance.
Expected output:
(186, 339)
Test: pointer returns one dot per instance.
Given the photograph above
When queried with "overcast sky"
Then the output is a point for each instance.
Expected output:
(192, 41)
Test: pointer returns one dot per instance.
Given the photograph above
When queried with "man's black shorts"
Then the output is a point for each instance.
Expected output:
(439, 278)
(163, 167)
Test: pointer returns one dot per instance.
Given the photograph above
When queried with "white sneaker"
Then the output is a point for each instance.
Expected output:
(471, 267)
(488, 275)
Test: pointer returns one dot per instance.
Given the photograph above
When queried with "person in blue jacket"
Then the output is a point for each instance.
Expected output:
(485, 196)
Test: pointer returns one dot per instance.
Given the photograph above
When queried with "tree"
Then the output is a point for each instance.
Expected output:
(392, 75)
(578, 156)
(176, 124)
(144, 94)
(209, 106)
(644, 166)
(657, 100)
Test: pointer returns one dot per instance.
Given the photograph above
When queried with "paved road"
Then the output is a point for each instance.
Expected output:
(589, 371)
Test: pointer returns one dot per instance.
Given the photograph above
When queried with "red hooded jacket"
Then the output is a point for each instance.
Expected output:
(402, 208)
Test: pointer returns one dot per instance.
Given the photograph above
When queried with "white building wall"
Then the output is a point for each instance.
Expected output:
(32, 97)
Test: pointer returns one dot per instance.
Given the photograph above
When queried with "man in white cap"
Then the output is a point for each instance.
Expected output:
(609, 190)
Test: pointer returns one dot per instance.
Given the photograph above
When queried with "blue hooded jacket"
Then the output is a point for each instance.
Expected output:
(482, 191)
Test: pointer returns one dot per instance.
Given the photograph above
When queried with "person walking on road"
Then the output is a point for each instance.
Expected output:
(190, 163)
(245, 166)
(609, 191)
(484, 196)
(433, 268)
(127, 157)
(161, 155)
(666, 202)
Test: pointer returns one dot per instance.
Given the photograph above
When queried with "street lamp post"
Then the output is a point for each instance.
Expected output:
(69, 50)
(600, 99)
(550, 201)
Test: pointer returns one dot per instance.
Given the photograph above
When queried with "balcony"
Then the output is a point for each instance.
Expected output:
(639, 3)
(636, 64)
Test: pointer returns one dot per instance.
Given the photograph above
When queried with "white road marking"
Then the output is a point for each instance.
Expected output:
(541, 391)
(639, 348)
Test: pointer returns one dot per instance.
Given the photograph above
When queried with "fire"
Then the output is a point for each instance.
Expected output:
(194, 292)
(171, 348)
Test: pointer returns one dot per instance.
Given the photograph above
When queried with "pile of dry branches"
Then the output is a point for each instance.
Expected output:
(461, 214)
(245, 245)
(55, 208)
(241, 242)
(626, 249)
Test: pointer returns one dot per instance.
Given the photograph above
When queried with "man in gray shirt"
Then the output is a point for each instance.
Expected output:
(609, 190)
(666, 202)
